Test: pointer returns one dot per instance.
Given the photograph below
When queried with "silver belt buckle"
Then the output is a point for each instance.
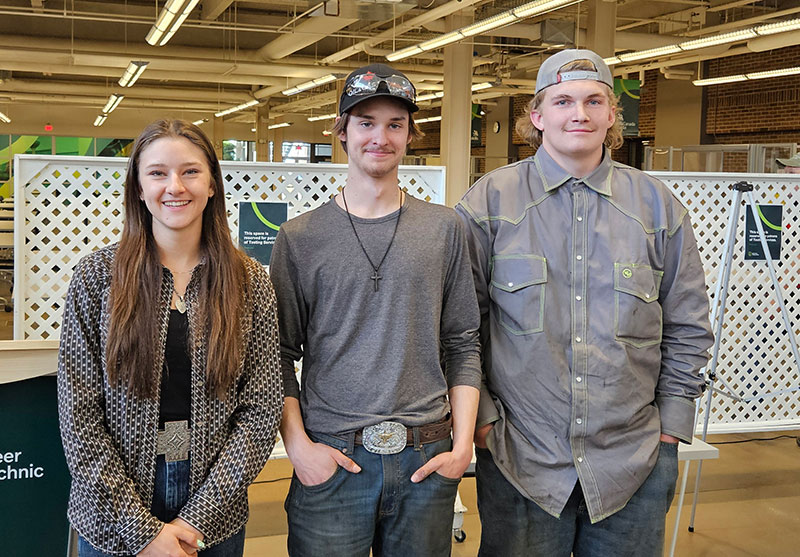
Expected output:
(174, 442)
(385, 438)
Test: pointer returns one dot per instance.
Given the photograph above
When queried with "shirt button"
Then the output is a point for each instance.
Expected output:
(578, 298)
(577, 339)
(579, 379)
(580, 459)
(510, 284)
(580, 219)
(579, 421)
(578, 257)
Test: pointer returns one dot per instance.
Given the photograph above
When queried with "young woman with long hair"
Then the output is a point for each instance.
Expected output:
(168, 380)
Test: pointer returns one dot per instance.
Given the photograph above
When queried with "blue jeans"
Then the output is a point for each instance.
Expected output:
(170, 494)
(512, 525)
(378, 508)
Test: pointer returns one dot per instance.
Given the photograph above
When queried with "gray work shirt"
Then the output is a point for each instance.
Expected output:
(594, 326)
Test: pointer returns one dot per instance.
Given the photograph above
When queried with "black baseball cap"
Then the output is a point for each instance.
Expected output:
(377, 80)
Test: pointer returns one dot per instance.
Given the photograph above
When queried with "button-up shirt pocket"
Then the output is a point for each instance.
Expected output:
(637, 315)
(518, 289)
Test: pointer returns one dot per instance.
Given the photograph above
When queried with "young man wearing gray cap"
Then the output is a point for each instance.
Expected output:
(594, 325)
(790, 165)
(370, 287)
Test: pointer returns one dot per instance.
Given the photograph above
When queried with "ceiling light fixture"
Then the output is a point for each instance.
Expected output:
(169, 20)
(705, 42)
(100, 120)
(482, 86)
(430, 96)
(132, 73)
(747, 77)
(310, 84)
(281, 125)
(236, 108)
(431, 119)
(200, 122)
(524, 11)
(112, 103)
(4, 118)
(322, 117)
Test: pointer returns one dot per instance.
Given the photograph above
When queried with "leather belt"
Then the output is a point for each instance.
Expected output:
(387, 437)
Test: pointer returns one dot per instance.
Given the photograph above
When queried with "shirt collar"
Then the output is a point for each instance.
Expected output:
(553, 175)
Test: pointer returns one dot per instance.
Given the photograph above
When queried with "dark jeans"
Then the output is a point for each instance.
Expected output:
(512, 525)
(378, 508)
(169, 496)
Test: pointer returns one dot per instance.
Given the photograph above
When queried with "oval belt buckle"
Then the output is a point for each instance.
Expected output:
(385, 438)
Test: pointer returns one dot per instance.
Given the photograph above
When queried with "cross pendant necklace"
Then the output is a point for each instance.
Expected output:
(376, 277)
(375, 268)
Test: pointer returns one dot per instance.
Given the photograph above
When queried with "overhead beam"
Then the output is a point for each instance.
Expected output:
(212, 9)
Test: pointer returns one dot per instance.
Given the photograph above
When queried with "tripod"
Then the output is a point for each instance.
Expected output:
(717, 321)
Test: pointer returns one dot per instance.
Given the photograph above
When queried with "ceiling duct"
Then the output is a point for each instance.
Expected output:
(557, 32)
(374, 10)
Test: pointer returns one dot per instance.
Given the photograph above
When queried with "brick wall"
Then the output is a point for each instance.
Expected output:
(758, 111)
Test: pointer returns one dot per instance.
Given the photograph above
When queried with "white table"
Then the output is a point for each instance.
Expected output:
(698, 450)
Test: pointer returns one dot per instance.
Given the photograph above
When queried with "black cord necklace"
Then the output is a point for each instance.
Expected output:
(375, 274)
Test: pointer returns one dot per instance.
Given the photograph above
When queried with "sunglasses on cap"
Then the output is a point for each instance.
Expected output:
(368, 83)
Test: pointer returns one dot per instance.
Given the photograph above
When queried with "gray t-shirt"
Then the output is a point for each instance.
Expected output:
(372, 356)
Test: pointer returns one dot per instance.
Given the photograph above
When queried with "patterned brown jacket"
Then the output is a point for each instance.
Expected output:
(109, 435)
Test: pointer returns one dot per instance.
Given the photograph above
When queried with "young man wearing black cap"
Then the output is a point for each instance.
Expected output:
(594, 325)
(371, 286)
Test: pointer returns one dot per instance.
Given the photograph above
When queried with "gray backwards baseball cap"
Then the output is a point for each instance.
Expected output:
(548, 72)
(792, 161)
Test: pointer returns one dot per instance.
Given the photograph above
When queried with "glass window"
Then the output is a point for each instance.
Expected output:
(236, 150)
(114, 147)
(75, 146)
(296, 152)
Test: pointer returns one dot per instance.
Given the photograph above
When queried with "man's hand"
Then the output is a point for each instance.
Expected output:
(316, 463)
(189, 549)
(450, 465)
(170, 542)
(480, 435)
(669, 439)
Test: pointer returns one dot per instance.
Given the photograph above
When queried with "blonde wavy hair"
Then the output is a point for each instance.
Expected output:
(533, 135)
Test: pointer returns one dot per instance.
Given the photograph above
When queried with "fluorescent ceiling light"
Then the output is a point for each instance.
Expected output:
(281, 125)
(112, 103)
(132, 73)
(747, 77)
(100, 120)
(327, 132)
(310, 84)
(524, 11)
(323, 117)
(651, 53)
(488, 24)
(200, 122)
(169, 20)
(482, 86)
(725, 38)
(430, 96)
(236, 108)
(714, 40)
(4, 118)
(431, 119)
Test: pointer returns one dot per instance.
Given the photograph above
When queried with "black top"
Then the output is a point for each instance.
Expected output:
(176, 384)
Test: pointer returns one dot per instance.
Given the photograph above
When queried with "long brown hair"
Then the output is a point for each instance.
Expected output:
(533, 135)
(137, 277)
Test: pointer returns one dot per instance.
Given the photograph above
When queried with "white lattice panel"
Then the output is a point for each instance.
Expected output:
(70, 206)
(755, 354)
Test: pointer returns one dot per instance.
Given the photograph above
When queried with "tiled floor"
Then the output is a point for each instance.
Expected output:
(749, 505)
